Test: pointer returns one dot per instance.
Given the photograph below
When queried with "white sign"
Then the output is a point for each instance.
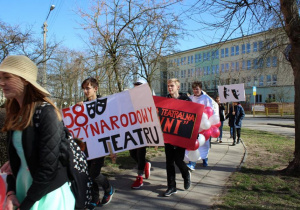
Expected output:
(232, 93)
(122, 121)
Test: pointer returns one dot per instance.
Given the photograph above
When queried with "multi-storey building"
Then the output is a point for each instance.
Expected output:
(255, 60)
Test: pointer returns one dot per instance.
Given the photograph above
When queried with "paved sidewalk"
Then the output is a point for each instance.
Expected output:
(207, 182)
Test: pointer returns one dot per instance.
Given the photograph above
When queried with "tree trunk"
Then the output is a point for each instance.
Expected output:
(290, 12)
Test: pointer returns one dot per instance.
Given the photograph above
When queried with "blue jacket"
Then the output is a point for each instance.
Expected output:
(236, 120)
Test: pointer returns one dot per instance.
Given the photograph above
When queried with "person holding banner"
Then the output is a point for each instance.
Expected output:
(199, 96)
(236, 115)
(90, 88)
(175, 154)
(139, 155)
(38, 178)
(222, 117)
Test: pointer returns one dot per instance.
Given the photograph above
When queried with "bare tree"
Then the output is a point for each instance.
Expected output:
(246, 17)
(107, 24)
(152, 36)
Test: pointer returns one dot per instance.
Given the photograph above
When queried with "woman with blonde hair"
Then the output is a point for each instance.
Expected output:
(38, 179)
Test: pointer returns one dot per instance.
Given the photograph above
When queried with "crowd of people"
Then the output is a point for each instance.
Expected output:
(36, 178)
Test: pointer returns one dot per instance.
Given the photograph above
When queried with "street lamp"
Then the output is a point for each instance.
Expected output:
(44, 51)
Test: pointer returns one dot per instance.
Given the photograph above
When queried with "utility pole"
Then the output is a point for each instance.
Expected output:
(44, 50)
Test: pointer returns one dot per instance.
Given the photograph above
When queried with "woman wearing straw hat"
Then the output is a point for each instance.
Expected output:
(38, 180)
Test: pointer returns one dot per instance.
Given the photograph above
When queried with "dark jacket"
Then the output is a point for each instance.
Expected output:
(236, 120)
(41, 149)
(221, 112)
(182, 96)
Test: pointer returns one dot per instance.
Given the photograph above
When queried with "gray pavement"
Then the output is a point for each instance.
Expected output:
(207, 183)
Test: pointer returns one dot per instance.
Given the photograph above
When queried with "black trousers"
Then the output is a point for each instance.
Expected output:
(175, 155)
(139, 155)
(98, 179)
(236, 132)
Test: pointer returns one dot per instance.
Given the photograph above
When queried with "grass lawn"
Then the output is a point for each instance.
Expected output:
(260, 184)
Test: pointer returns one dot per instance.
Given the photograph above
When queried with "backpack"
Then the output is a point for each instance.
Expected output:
(76, 163)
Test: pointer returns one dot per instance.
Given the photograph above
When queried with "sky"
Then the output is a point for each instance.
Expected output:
(62, 21)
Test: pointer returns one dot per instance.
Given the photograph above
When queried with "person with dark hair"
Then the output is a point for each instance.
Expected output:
(200, 97)
(90, 88)
(236, 115)
(139, 155)
(38, 178)
(222, 118)
(175, 154)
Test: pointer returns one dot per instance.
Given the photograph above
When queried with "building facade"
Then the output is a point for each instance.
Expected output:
(255, 60)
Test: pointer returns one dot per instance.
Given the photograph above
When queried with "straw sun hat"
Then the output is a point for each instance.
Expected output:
(22, 66)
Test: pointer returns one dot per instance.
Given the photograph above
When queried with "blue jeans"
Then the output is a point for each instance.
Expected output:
(221, 130)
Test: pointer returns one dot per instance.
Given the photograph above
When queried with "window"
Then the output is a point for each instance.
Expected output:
(217, 68)
(189, 60)
(260, 63)
(274, 79)
(226, 67)
(184, 60)
(184, 74)
(226, 52)
(237, 66)
(181, 73)
(199, 57)
(268, 62)
(258, 98)
(248, 64)
(196, 58)
(261, 80)
(232, 66)
(222, 53)
(208, 70)
(181, 61)
(178, 62)
(232, 51)
(192, 72)
(204, 56)
(244, 65)
(255, 82)
(217, 54)
(189, 72)
(269, 79)
(237, 50)
(255, 63)
(271, 97)
(213, 69)
(192, 59)
(204, 70)
(274, 61)
(248, 48)
(243, 49)
(222, 67)
(260, 45)
(254, 46)
(208, 56)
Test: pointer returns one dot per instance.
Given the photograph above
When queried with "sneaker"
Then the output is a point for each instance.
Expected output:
(191, 165)
(138, 183)
(92, 206)
(238, 141)
(147, 170)
(187, 181)
(233, 144)
(217, 140)
(220, 141)
(170, 191)
(205, 162)
(107, 198)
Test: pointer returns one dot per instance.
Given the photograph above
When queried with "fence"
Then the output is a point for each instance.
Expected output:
(273, 109)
